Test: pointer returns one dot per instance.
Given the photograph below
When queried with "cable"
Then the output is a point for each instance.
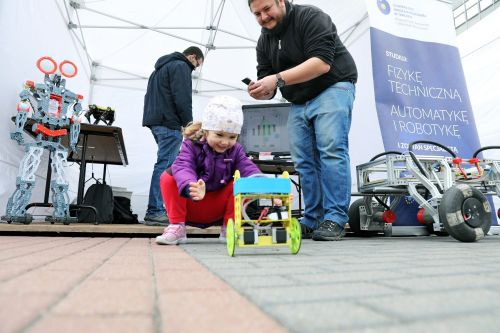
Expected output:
(484, 148)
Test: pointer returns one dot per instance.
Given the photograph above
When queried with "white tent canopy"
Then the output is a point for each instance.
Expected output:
(115, 44)
(123, 40)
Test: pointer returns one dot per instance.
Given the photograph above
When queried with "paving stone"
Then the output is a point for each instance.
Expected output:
(357, 276)
(246, 282)
(109, 297)
(213, 311)
(252, 271)
(435, 304)
(185, 281)
(312, 293)
(94, 324)
(42, 281)
(329, 316)
(460, 323)
(19, 310)
(75, 264)
(444, 282)
(12, 270)
(114, 271)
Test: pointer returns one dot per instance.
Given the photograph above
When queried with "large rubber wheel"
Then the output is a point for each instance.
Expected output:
(465, 213)
(355, 219)
(295, 236)
(230, 237)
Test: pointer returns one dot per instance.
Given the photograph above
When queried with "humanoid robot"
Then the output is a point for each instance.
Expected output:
(53, 109)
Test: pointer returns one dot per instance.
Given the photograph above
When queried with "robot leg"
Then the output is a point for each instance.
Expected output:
(59, 187)
(25, 181)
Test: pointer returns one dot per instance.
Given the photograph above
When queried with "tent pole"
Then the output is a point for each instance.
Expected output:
(92, 82)
(142, 26)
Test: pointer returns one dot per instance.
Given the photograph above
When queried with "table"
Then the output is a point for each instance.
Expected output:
(96, 144)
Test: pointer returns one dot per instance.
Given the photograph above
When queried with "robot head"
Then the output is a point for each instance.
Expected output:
(48, 66)
(53, 73)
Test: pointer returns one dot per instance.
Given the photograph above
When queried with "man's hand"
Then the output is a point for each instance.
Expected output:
(197, 190)
(264, 88)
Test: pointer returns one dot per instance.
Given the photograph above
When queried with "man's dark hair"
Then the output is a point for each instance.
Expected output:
(194, 50)
(250, 2)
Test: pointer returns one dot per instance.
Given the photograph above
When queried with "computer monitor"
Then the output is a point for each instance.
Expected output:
(264, 129)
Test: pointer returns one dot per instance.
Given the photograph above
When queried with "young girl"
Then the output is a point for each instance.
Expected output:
(198, 188)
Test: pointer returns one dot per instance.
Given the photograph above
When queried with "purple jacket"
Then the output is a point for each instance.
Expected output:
(197, 160)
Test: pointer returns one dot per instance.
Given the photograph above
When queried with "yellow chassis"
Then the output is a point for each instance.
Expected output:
(262, 188)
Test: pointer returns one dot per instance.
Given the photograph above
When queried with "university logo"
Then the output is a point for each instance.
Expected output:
(384, 6)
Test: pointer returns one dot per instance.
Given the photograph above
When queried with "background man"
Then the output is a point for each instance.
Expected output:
(300, 52)
(167, 108)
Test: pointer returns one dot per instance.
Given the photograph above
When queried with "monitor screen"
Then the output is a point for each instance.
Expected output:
(264, 128)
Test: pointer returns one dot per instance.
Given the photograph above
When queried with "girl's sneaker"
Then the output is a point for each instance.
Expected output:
(172, 235)
(222, 236)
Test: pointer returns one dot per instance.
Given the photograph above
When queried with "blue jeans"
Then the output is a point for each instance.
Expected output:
(169, 142)
(319, 145)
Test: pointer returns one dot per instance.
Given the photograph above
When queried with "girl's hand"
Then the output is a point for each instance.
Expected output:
(197, 190)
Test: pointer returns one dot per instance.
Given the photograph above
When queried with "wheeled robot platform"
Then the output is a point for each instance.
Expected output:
(270, 228)
(451, 192)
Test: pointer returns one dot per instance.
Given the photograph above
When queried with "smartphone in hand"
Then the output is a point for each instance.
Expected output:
(246, 81)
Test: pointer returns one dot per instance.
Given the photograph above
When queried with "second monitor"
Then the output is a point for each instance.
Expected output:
(265, 129)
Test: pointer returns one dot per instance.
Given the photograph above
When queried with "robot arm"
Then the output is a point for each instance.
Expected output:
(74, 129)
(23, 110)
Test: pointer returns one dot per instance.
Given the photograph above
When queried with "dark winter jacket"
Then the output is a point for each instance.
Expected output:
(305, 32)
(197, 160)
(168, 100)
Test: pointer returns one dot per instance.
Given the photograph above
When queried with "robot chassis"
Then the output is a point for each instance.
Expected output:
(53, 109)
(270, 228)
(451, 192)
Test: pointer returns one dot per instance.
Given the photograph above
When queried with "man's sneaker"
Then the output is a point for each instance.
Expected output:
(172, 235)
(306, 231)
(159, 220)
(328, 231)
(222, 236)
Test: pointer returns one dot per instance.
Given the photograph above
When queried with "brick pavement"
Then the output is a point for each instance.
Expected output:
(411, 284)
(62, 284)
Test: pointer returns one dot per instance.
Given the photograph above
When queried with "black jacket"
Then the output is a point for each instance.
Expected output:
(305, 32)
(168, 100)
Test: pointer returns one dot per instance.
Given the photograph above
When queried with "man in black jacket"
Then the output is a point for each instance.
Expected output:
(167, 108)
(300, 52)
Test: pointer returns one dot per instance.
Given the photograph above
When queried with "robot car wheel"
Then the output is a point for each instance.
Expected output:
(465, 213)
(231, 237)
(295, 236)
